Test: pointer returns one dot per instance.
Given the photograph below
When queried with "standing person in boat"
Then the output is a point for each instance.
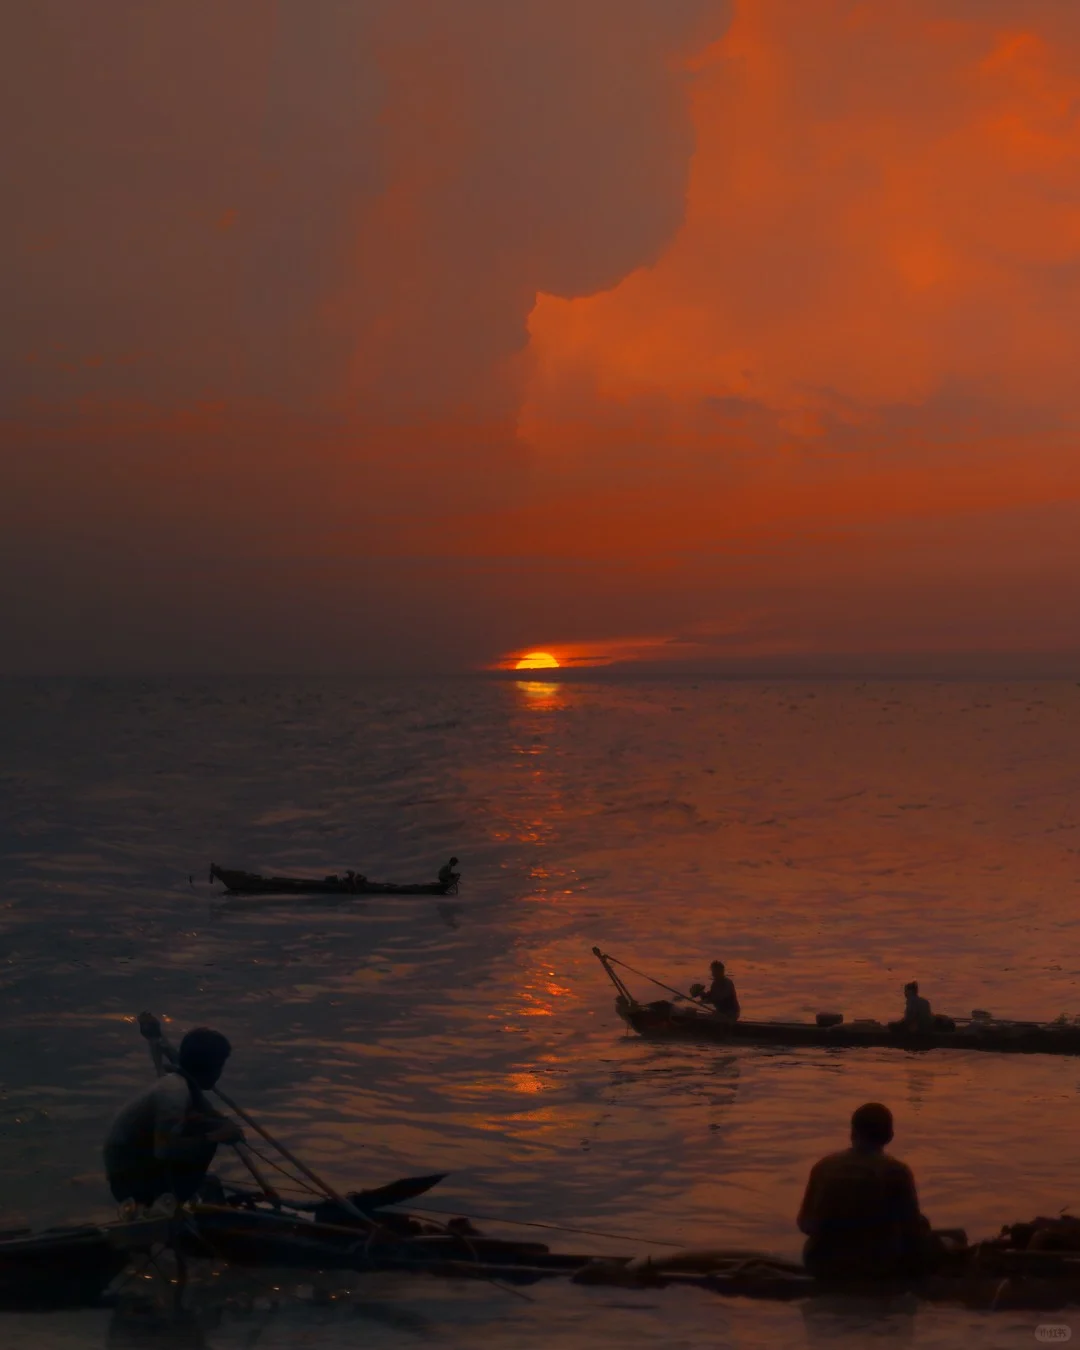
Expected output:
(447, 876)
(164, 1141)
(861, 1211)
(721, 993)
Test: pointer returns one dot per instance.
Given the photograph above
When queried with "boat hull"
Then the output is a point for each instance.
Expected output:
(664, 1021)
(73, 1267)
(251, 883)
(256, 1237)
(58, 1268)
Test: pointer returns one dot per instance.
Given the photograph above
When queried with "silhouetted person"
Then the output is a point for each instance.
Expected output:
(860, 1212)
(721, 993)
(164, 1141)
(447, 876)
(918, 1015)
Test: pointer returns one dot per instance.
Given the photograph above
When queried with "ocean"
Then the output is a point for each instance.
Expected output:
(828, 840)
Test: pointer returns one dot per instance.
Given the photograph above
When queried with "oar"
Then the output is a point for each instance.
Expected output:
(398, 1192)
(148, 1023)
(313, 1177)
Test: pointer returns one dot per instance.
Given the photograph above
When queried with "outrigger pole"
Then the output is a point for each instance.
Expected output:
(606, 961)
(620, 987)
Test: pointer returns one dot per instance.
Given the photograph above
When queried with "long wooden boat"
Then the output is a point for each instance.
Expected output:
(663, 1020)
(73, 1267)
(989, 1276)
(691, 1020)
(251, 883)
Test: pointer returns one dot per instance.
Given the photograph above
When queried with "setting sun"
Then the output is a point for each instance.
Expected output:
(537, 661)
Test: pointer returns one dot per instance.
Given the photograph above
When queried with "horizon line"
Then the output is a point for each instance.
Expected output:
(977, 666)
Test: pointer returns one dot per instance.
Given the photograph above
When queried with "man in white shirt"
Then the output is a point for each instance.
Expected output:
(164, 1141)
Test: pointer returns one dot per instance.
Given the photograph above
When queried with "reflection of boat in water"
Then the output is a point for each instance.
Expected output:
(664, 1020)
(251, 883)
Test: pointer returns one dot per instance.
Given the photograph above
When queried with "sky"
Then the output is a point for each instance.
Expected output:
(406, 335)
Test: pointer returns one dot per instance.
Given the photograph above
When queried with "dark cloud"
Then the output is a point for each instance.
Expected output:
(338, 205)
(267, 268)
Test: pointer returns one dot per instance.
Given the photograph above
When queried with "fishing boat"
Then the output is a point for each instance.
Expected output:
(687, 1019)
(239, 1228)
(990, 1276)
(251, 883)
(1035, 1265)
(75, 1267)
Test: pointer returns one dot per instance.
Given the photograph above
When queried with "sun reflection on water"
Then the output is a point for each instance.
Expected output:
(526, 1082)
(538, 694)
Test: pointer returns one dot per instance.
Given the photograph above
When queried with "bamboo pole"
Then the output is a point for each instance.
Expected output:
(150, 1027)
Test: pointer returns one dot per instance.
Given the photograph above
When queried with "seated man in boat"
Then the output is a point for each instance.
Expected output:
(918, 1015)
(164, 1141)
(860, 1212)
(721, 993)
(447, 876)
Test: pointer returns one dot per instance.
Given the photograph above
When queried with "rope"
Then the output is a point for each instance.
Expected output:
(620, 984)
(298, 1182)
(551, 1227)
(660, 984)
(377, 1229)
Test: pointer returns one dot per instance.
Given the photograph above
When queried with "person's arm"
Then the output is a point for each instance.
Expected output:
(172, 1117)
(225, 1131)
(807, 1220)
(150, 1028)
(908, 1214)
(172, 1105)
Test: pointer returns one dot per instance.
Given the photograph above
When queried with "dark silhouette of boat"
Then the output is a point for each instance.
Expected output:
(57, 1268)
(664, 1020)
(352, 883)
(691, 1020)
(74, 1267)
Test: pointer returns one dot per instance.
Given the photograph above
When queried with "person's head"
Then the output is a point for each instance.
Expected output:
(453, 862)
(203, 1054)
(717, 968)
(871, 1126)
(912, 987)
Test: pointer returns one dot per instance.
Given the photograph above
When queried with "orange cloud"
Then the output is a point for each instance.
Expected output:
(488, 325)
(865, 331)
(878, 211)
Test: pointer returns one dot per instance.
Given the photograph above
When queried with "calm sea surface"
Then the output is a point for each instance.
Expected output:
(829, 841)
